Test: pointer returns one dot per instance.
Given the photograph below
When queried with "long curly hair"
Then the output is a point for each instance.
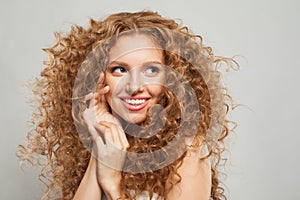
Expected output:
(54, 142)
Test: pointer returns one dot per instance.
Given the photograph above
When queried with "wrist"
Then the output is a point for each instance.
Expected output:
(112, 188)
(112, 192)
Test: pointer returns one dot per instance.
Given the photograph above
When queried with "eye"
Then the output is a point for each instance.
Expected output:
(117, 70)
(152, 70)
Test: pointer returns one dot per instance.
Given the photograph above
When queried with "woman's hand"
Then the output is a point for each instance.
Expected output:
(110, 142)
(97, 107)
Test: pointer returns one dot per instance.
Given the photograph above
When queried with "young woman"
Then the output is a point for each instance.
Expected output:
(131, 108)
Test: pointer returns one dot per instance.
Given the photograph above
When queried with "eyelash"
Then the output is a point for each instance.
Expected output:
(113, 69)
(154, 70)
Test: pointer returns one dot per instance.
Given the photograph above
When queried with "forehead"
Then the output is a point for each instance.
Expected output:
(133, 44)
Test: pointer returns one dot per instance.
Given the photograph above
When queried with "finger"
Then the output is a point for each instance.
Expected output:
(101, 80)
(96, 134)
(111, 133)
(89, 99)
(93, 101)
(101, 104)
(88, 96)
(100, 149)
(99, 144)
(104, 131)
(120, 136)
(108, 131)
(102, 90)
(123, 139)
(99, 91)
(116, 132)
(116, 135)
(98, 97)
(99, 94)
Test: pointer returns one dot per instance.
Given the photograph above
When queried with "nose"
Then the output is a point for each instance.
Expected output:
(135, 82)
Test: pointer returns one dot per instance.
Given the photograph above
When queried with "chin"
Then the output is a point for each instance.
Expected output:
(135, 119)
(127, 117)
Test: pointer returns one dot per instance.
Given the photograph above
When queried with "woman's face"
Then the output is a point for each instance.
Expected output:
(135, 76)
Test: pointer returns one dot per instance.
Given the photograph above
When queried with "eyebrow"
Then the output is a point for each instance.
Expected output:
(116, 62)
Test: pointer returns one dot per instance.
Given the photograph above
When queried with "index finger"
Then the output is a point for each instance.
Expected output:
(100, 83)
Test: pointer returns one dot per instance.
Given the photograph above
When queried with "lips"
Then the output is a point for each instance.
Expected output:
(135, 103)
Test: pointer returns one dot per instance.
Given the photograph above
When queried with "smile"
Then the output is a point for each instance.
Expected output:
(135, 104)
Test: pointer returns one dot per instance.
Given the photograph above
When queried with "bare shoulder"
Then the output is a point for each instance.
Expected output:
(195, 178)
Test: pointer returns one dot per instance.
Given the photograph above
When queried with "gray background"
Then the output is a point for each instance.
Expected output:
(264, 157)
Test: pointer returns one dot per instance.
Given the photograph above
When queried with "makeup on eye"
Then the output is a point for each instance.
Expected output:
(147, 69)
(152, 70)
(117, 70)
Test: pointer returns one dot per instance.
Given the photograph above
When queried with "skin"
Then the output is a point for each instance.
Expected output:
(135, 71)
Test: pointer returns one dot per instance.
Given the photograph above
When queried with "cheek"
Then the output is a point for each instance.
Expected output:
(112, 83)
(156, 90)
(108, 96)
(114, 89)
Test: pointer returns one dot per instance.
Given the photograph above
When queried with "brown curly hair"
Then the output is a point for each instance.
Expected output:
(58, 119)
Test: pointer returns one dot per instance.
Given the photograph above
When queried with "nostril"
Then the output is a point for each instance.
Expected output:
(133, 87)
(134, 91)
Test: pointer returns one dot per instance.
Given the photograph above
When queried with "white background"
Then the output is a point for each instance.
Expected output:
(264, 161)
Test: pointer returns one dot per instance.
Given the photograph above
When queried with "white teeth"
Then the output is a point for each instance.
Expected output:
(135, 101)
